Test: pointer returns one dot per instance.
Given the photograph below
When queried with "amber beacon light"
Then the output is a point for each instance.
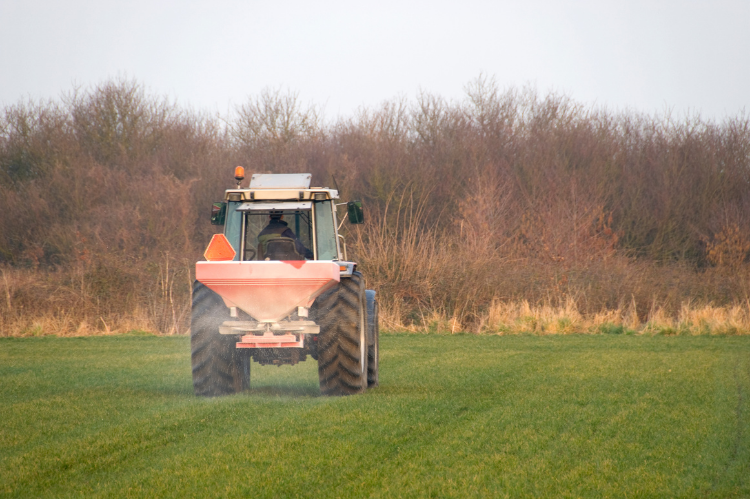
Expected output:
(239, 175)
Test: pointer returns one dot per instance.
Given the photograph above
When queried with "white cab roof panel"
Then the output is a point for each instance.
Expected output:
(280, 181)
(280, 206)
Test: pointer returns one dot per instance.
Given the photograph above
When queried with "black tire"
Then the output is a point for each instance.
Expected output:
(373, 340)
(219, 368)
(342, 342)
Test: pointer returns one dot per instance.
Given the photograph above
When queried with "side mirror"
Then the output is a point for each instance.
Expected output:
(354, 210)
(218, 213)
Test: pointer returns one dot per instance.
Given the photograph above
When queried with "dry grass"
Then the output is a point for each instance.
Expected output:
(64, 304)
(521, 317)
(66, 322)
(73, 302)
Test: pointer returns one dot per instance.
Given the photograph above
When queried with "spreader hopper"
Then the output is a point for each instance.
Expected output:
(268, 290)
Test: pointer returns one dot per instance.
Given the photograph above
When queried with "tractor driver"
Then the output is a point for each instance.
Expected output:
(277, 227)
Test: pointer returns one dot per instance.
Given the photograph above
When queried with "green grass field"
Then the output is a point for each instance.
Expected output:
(455, 416)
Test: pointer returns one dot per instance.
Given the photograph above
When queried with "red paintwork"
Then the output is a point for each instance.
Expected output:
(268, 291)
(270, 340)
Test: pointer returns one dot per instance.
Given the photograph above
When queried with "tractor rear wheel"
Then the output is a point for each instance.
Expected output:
(219, 368)
(373, 340)
(342, 342)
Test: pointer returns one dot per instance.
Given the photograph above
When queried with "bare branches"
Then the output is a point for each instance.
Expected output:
(507, 195)
(274, 118)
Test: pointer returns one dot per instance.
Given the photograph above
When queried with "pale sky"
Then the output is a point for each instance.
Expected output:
(647, 56)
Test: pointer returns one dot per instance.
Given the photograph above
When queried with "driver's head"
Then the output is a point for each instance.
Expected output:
(276, 215)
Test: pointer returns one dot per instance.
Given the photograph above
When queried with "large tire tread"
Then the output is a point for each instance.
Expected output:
(218, 367)
(341, 315)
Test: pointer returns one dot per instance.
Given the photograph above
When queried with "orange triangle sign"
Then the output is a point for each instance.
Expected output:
(219, 249)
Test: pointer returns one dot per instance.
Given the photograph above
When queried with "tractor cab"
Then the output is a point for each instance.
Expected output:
(256, 219)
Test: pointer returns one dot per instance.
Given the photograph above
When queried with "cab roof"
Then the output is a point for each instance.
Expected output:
(280, 181)
(280, 186)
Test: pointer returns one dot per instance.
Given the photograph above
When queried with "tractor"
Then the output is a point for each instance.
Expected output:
(277, 287)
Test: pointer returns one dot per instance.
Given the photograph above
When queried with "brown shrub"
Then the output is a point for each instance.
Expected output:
(505, 198)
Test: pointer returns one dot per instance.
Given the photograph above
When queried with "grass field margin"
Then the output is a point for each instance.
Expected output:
(455, 416)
